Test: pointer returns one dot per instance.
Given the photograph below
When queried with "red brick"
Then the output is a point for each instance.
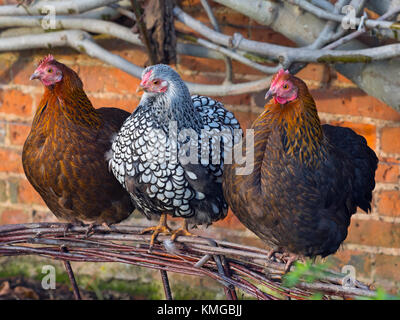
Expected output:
(104, 79)
(240, 99)
(390, 140)
(121, 82)
(368, 131)
(10, 216)
(43, 216)
(374, 233)
(388, 171)
(10, 161)
(134, 54)
(242, 69)
(189, 3)
(389, 203)
(3, 191)
(3, 132)
(21, 71)
(354, 102)
(202, 78)
(27, 194)
(122, 103)
(387, 267)
(360, 260)
(18, 132)
(6, 62)
(188, 63)
(314, 72)
(245, 119)
(343, 79)
(15, 102)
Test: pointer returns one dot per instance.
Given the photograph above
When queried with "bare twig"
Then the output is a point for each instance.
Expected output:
(71, 275)
(165, 281)
(143, 31)
(369, 23)
(286, 55)
(238, 57)
(75, 17)
(328, 33)
(123, 11)
(60, 7)
(83, 42)
(377, 78)
(358, 33)
(214, 22)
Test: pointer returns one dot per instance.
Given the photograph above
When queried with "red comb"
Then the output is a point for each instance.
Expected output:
(46, 59)
(146, 77)
(280, 73)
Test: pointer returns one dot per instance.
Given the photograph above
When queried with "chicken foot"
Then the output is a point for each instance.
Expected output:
(162, 227)
(182, 231)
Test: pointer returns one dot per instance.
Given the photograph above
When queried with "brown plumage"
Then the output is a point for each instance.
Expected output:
(64, 156)
(308, 179)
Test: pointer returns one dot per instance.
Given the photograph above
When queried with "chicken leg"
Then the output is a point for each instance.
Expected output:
(182, 231)
(162, 227)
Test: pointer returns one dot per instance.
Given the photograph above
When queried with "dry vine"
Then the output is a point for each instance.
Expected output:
(233, 265)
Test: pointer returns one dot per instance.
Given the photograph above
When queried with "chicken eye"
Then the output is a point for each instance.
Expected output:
(156, 82)
(285, 86)
(49, 70)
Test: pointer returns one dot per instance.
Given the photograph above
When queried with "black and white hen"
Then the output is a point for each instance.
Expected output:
(169, 153)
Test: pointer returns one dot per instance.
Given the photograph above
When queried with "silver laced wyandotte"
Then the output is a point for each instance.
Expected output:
(307, 180)
(169, 153)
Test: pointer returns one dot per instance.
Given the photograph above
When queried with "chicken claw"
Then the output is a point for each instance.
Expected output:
(183, 231)
(162, 227)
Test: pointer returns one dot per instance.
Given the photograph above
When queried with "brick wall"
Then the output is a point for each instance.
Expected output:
(373, 243)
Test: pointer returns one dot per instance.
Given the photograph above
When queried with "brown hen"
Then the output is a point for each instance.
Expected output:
(64, 156)
(308, 179)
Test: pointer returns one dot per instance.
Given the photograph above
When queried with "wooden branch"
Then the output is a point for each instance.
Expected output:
(143, 32)
(244, 267)
(60, 7)
(377, 78)
(288, 54)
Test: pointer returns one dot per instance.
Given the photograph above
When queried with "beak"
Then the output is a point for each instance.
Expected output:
(270, 93)
(140, 88)
(35, 75)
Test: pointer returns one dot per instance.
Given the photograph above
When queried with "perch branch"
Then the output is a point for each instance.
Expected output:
(249, 269)
(71, 276)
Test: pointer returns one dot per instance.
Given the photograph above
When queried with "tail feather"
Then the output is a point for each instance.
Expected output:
(364, 159)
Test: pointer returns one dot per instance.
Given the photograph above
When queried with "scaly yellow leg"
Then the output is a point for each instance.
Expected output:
(162, 227)
(183, 231)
